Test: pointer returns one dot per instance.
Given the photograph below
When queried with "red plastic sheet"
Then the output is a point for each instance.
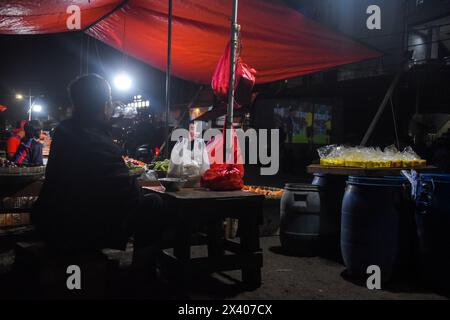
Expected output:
(279, 42)
(49, 16)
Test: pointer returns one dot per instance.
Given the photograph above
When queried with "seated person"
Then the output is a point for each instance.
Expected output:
(89, 201)
(14, 140)
(29, 151)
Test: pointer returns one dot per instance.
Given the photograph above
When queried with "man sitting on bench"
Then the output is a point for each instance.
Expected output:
(88, 200)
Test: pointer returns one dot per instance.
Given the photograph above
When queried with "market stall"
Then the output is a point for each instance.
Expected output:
(279, 43)
(19, 188)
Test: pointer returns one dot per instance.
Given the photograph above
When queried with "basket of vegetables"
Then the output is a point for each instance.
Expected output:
(135, 167)
(160, 168)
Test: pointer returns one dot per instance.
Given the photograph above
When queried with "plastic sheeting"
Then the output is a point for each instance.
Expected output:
(279, 42)
(49, 16)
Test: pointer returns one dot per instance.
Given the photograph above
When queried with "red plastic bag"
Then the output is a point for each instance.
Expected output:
(225, 177)
(215, 152)
(244, 79)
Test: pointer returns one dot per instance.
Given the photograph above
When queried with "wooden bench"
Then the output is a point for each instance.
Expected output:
(46, 272)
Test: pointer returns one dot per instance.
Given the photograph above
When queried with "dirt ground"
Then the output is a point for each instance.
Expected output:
(284, 277)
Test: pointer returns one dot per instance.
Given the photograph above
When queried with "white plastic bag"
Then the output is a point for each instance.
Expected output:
(200, 155)
(187, 164)
(178, 157)
(149, 176)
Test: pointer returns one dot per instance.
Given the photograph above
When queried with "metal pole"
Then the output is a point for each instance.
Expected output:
(417, 93)
(395, 124)
(228, 143)
(169, 57)
(381, 108)
(30, 106)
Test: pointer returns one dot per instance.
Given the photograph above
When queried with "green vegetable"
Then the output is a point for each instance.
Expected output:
(161, 165)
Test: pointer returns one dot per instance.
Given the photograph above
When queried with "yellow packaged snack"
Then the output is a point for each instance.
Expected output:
(369, 157)
(396, 163)
(340, 162)
(407, 163)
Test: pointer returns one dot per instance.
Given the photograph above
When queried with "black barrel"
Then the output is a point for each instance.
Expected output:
(373, 211)
(332, 188)
(433, 229)
(300, 219)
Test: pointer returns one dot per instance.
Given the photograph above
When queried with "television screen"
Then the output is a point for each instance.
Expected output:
(304, 122)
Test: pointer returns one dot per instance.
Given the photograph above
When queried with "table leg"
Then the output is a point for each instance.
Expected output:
(251, 273)
(182, 251)
(215, 238)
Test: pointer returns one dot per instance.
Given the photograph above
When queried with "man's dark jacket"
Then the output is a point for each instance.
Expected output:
(88, 194)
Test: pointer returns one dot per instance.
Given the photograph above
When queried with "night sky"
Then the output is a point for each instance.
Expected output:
(47, 63)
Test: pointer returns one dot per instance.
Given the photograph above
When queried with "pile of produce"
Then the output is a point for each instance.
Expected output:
(4, 163)
(269, 193)
(136, 167)
(9, 167)
(160, 165)
(369, 157)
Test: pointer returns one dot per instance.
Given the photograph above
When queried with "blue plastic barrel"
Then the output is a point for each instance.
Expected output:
(371, 228)
(433, 228)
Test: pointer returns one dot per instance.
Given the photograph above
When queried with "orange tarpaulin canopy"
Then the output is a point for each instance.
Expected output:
(279, 42)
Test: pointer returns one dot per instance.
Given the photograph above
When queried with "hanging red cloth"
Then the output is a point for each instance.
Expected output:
(243, 83)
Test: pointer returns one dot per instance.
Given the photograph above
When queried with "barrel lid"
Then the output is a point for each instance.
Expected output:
(300, 187)
(378, 181)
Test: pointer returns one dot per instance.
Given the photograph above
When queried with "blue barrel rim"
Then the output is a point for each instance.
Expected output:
(316, 174)
(389, 182)
(437, 177)
(301, 187)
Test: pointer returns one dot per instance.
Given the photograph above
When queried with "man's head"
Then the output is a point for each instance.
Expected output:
(20, 124)
(19, 130)
(192, 130)
(91, 97)
(33, 129)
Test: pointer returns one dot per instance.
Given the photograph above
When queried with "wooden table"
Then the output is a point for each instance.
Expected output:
(192, 207)
(365, 172)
